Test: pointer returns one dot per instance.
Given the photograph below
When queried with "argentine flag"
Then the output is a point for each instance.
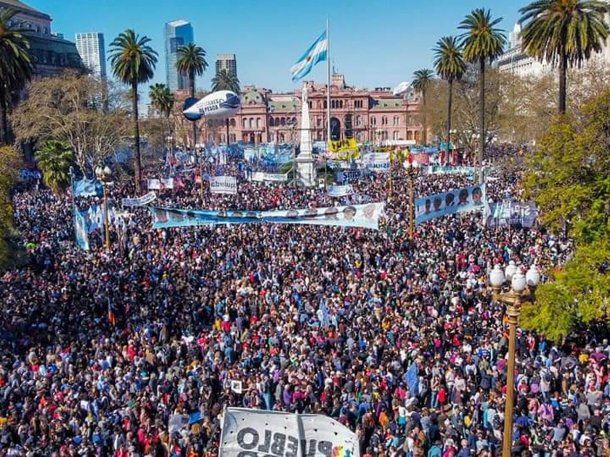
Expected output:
(317, 52)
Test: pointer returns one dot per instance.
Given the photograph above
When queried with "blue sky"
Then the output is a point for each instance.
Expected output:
(374, 43)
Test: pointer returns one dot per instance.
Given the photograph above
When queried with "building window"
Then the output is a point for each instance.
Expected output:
(243, 121)
(358, 104)
(271, 123)
(395, 135)
(251, 123)
(232, 136)
(283, 122)
(373, 120)
(325, 104)
(396, 121)
(384, 120)
(258, 122)
(318, 122)
(233, 123)
(358, 120)
(310, 104)
(409, 135)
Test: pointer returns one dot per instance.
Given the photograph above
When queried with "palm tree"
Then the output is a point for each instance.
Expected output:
(482, 42)
(421, 81)
(449, 64)
(191, 62)
(133, 62)
(54, 159)
(162, 100)
(225, 80)
(15, 64)
(564, 32)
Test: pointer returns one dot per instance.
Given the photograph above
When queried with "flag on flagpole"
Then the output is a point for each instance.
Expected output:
(317, 52)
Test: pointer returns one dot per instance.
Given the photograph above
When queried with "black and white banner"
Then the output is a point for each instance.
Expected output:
(253, 433)
(223, 185)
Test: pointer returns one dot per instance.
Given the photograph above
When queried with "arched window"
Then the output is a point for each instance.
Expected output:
(233, 123)
(271, 122)
(283, 121)
(396, 120)
(395, 135)
(384, 120)
(243, 121)
(251, 123)
(258, 122)
(373, 120)
(358, 120)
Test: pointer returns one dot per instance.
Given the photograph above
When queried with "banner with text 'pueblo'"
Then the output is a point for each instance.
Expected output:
(452, 202)
(255, 433)
(223, 185)
(365, 216)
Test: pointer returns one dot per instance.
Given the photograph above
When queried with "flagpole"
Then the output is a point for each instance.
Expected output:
(328, 83)
(327, 103)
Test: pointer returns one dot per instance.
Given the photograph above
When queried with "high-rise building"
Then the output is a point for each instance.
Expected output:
(91, 49)
(226, 62)
(177, 34)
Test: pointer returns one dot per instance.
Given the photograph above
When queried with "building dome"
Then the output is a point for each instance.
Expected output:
(252, 97)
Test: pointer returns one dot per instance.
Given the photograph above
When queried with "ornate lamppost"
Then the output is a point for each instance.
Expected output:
(412, 167)
(104, 175)
(522, 290)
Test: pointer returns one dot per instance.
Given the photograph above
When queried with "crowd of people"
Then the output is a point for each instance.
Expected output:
(99, 350)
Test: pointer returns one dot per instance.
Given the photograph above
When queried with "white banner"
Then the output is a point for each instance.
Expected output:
(260, 176)
(253, 433)
(223, 185)
(340, 191)
(377, 162)
(160, 184)
(140, 201)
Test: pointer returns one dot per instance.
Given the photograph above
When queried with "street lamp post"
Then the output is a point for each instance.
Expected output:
(412, 167)
(105, 176)
(522, 289)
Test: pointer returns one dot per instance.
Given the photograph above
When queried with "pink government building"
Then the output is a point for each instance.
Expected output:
(376, 116)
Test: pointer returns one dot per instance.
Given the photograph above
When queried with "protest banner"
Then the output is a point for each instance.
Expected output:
(377, 162)
(140, 201)
(366, 216)
(80, 229)
(160, 183)
(223, 185)
(452, 202)
(87, 188)
(252, 433)
(340, 190)
(261, 176)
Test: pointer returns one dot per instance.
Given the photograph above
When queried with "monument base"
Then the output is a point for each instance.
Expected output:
(306, 171)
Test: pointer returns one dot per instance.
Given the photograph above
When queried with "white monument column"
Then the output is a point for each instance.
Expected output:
(305, 162)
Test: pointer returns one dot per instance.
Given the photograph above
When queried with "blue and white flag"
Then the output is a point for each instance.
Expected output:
(317, 52)
(80, 229)
(87, 188)
(412, 379)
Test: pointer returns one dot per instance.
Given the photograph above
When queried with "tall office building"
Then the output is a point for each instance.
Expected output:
(91, 49)
(226, 62)
(177, 33)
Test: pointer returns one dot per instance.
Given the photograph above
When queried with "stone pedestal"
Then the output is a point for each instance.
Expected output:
(305, 163)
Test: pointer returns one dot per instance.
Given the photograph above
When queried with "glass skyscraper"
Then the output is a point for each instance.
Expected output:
(177, 33)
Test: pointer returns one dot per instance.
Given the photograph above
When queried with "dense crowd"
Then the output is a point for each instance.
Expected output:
(99, 350)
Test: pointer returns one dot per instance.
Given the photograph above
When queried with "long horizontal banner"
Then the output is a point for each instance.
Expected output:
(452, 202)
(140, 201)
(250, 433)
(223, 185)
(366, 216)
(447, 170)
(260, 176)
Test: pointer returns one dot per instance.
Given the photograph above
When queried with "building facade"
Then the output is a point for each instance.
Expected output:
(51, 53)
(177, 34)
(516, 62)
(92, 52)
(375, 116)
(226, 62)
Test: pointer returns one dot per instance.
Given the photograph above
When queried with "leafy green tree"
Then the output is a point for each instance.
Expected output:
(225, 80)
(421, 83)
(569, 178)
(133, 62)
(11, 161)
(482, 42)
(191, 62)
(15, 65)
(54, 159)
(565, 33)
(449, 64)
(162, 100)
